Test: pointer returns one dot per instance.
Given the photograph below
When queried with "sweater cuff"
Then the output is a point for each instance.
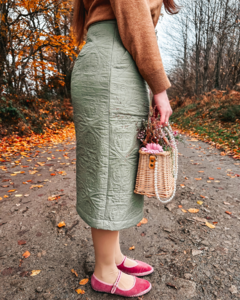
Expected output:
(158, 81)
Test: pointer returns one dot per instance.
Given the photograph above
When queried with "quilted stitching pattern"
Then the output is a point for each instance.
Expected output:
(110, 99)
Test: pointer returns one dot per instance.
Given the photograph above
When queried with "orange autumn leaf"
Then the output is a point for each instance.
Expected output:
(79, 291)
(182, 185)
(143, 221)
(198, 178)
(74, 272)
(5, 196)
(183, 210)
(180, 206)
(10, 191)
(26, 254)
(202, 196)
(84, 281)
(61, 224)
(228, 212)
(53, 174)
(193, 210)
(219, 168)
(210, 178)
(1, 198)
(132, 248)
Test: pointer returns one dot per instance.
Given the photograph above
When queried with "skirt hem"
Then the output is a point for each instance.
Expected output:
(109, 225)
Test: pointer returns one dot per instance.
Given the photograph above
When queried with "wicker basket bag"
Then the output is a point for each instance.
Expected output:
(157, 173)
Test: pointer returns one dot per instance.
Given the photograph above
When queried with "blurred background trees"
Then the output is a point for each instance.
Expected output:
(204, 42)
(37, 47)
(37, 53)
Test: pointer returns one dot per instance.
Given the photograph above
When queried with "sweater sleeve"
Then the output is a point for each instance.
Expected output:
(137, 33)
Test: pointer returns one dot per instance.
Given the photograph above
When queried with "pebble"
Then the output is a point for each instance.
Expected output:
(13, 209)
(39, 289)
(196, 252)
(233, 289)
(188, 276)
(170, 206)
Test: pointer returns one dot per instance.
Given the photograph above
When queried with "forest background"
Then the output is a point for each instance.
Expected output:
(199, 46)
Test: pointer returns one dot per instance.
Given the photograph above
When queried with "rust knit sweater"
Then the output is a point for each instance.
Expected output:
(136, 20)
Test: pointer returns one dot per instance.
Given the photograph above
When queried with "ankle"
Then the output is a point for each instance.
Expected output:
(103, 272)
(119, 258)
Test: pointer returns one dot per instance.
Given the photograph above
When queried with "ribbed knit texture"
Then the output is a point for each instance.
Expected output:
(136, 20)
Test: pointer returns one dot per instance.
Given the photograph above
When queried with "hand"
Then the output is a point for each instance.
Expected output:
(163, 106)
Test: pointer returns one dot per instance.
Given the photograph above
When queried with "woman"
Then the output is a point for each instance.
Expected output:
(110, 99)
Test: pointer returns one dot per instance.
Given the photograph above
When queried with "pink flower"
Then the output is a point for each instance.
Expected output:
(175, 133)
(152, 148)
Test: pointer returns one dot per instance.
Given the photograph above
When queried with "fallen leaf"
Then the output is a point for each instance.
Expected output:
(35, 272)
(182, 185)
(209, 225)
(216, 181)
(132, 248)
(79, 291)
(53, 174)
(26, 254)
(21, 242)
(33, 172)
(143, 221)
(202, 220)
(18, 195)
(193, 210)
(198, 178)
(61, 224)
(228, 212)
(209, 181)
(210, 178)
(62, 173)
(74, 272)
(5, 196)
(183, 210)
(1, 198)
(199, 202)
(180, 206)
(10, 191)
(201, 171)
(84, 281)
(219, 168)
(202, 196)
(215, 223)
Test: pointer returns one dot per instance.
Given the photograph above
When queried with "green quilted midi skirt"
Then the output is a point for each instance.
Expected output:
(110, 99)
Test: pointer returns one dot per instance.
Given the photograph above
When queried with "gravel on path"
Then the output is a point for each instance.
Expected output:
(191, 260)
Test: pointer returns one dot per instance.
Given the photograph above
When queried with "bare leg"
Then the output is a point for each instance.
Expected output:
(104, 242)
(119, 256)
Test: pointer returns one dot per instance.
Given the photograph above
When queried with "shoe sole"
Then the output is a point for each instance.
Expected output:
(137, 295)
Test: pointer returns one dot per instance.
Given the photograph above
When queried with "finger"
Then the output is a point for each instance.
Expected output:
(163, 118)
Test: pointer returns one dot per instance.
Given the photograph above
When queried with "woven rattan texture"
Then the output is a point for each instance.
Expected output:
(145, 175)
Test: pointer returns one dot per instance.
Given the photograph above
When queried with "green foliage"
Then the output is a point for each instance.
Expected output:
(230, 113)
(22, 116)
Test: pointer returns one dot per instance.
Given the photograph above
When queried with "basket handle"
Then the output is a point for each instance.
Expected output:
(175, 166)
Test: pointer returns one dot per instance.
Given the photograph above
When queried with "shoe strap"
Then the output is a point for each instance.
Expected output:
(125, 257)
(115, 285)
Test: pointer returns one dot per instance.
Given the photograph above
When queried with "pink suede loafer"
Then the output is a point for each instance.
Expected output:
(141, 269)
(140, 287)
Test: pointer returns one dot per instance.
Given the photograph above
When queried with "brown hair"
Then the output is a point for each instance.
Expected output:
(79, 12)
(171, 7)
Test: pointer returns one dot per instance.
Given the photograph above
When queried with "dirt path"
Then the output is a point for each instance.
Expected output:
(191, 260)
